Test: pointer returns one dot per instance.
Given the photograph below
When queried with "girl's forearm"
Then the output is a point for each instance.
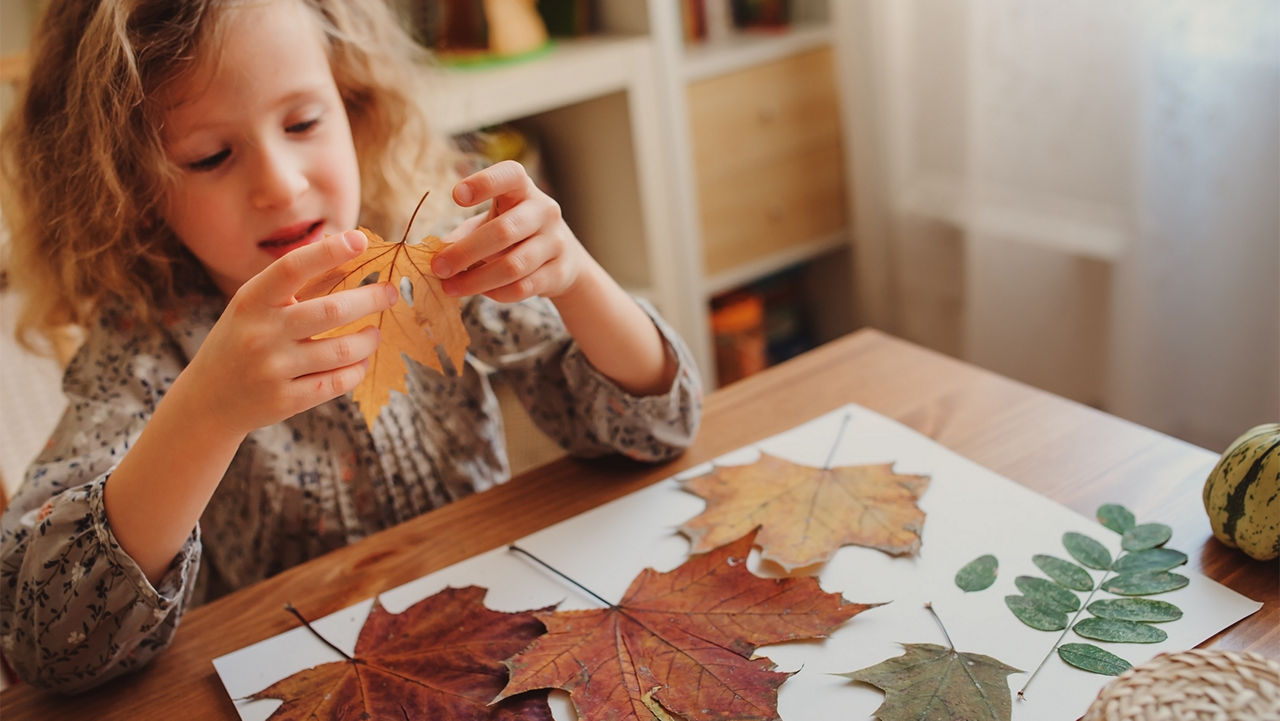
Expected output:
(156, 495)
(615, 334)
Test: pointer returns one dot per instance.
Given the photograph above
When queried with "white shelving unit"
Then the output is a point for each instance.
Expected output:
(614, 115)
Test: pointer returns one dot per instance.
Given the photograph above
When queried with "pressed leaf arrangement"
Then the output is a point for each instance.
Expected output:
(1142, 569)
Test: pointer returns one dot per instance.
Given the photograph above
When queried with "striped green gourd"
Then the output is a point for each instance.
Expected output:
(1242, 493)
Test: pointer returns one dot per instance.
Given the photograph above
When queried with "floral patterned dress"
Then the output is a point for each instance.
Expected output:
(76, 610)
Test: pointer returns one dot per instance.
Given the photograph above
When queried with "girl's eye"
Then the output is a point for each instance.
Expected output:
(303, 126)
(210, 162)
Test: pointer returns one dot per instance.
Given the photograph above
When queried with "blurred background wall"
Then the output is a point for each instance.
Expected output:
(1082, 195)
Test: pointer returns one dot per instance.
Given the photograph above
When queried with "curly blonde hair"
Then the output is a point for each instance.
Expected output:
(85, 172)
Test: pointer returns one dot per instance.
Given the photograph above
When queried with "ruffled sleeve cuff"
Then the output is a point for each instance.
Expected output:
(180, 576)
(649, 428)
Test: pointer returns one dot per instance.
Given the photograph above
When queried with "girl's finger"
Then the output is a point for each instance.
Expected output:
(317, 315)
(313, 389)
(501, 178)
(545, 281)
(281, 280)
(326, 354)
(490, 238)
(520, 261)
(464, 229)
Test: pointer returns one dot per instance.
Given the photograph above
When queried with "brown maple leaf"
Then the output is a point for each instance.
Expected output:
(806, 513)
(680, 643)
(439, 659)
(426, 324)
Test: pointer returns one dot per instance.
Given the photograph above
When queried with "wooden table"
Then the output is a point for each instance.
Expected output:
(1069, 452)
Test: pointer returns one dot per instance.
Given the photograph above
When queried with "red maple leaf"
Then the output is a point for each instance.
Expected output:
(439, 659)
(680, 643)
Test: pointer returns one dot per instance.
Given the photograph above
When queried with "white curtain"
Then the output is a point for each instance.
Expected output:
(1082, 194)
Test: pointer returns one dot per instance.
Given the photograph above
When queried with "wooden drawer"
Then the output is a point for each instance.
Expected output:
(768, 159)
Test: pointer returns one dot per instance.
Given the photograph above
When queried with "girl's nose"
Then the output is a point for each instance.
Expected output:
(279, 178)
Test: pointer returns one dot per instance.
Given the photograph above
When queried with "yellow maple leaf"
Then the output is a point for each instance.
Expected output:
(426, 324)
(805, 514)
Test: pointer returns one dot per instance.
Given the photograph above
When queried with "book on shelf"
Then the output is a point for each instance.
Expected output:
(714, 19)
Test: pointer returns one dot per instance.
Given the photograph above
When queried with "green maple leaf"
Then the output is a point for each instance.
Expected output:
(935, 683)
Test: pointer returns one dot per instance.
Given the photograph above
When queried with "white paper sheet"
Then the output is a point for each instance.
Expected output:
(970, 511)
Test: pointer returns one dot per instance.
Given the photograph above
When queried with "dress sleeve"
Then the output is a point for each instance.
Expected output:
(75, 608)
(572, 402)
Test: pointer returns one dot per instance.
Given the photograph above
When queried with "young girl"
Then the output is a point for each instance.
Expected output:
(177, 172)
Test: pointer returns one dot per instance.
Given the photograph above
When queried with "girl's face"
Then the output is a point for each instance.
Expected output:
(262, 145)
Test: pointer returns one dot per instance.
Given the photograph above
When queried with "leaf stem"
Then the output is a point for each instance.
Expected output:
(552, 569)
(839, 434)
(289, 607)
(1070, 625)
(941, 625)
(421, 200)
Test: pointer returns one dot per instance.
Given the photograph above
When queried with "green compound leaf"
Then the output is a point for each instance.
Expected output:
(1087, 551)
(1151, 559)
(931, 682)
(1145, 583)
(1148, 535)
(978, 574)
(1035, 615)
(1064, 572)
(1148, 610)
(1047, 593)
(1116, 517)
(1110, 629)
(1088, 657)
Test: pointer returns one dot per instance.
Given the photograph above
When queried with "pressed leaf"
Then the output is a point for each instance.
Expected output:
(978, 574)
(1037, 615)
(805, 514)
(1087, 551)
(1151, 559)
(933, 682)
(1148, 535)
(1047, 593)
(425, 318)
(1148, 610)
(1118, 631)
(1144, 583)
(441, 658)
(1088, 657)
(1064, 572)
(1116, 517)
(683, 640)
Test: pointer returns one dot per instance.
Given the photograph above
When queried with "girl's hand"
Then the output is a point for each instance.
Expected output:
(521, 248)
(260, 365)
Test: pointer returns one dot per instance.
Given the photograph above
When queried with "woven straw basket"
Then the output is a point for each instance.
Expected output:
(1195, 685)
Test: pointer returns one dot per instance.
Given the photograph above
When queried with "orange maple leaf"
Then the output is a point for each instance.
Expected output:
(806, 513)
(426, 324)
(680, 643)
(439, 659)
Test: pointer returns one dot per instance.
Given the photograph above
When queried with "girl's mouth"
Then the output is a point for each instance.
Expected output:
(292, 238)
